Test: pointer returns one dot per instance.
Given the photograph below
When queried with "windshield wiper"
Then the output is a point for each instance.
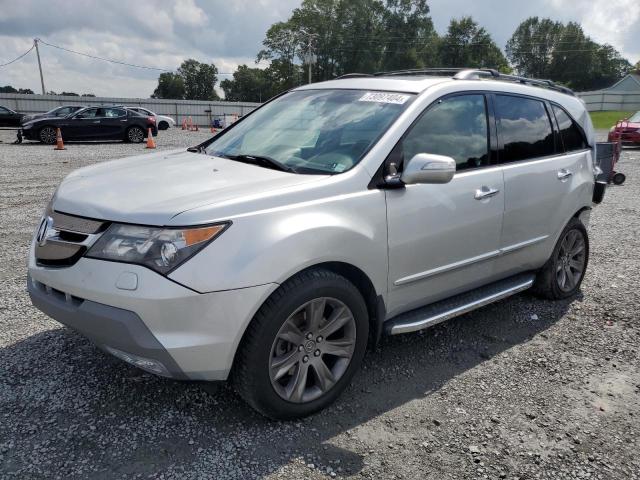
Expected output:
(260, 160)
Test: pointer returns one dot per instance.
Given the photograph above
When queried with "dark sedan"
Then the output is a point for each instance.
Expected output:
(92, 123)
(62, 111)
(9, 118)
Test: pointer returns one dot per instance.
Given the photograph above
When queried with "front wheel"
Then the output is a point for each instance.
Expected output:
(163, 125)
(303, 346)
(619, 178)
(135, 135)
(562, 275)
(47, 135)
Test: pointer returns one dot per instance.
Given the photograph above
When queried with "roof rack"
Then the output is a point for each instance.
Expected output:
(477, 74)
(421, 71)
(353, 75)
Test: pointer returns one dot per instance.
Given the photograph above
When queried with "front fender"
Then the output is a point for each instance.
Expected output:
(270, 246)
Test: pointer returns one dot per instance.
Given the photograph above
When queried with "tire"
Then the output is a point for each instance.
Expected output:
(163, 125)
(135, 134)
(47, 135)
(564, 264)
(618, 178)
(261, 377)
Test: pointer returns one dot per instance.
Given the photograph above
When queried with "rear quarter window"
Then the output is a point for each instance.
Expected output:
(570, 133)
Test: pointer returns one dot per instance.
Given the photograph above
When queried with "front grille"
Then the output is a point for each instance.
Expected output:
(65, 238)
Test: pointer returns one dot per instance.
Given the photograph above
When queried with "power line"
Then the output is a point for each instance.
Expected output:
(102, 58)
(17, 58)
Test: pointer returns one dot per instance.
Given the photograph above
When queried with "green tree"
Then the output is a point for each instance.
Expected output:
(466, 44)
(8, 89)
(258, 85)
(530, 48)
(170, 85)
(199, 80)
(410, 40)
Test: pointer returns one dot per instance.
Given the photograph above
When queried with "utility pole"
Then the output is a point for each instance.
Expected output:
(309, 54)
(35, 42)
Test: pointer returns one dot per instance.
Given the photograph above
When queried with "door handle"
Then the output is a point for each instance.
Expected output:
(564, 174)
(96, 121)
(485, 192)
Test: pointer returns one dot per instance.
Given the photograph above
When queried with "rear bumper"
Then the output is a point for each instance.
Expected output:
(154, 323)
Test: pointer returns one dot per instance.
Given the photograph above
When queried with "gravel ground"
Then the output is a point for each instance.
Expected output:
(520, 389)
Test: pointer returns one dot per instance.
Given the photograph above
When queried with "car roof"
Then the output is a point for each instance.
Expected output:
(406, 84)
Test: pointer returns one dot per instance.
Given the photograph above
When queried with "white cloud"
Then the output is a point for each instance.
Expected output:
(188, 13)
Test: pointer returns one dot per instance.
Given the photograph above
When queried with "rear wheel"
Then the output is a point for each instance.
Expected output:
(163, 125)
(619, 178)
(135, 135)
(303, 346)
(47, 135)
(562, 275)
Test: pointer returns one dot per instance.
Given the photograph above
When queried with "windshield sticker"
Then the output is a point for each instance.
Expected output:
(338, 167)
(383, 97)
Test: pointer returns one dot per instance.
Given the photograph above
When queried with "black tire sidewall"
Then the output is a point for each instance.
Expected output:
(264, 397)
(557, 292)
(163, 125)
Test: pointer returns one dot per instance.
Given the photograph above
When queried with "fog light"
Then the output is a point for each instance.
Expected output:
(143, 363)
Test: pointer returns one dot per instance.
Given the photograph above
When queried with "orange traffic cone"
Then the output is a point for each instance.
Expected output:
(190, 123)
(213, 130)
(184, 124)
(150, 142)
(59, 144)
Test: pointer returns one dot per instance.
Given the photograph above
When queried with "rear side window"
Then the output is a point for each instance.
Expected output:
(114, 112)
(455, 127)
(525, 128)
(572, 137)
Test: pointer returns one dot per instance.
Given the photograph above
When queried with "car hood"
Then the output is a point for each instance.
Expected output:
(152, 189)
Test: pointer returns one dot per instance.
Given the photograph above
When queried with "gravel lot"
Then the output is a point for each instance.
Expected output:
(521, 389)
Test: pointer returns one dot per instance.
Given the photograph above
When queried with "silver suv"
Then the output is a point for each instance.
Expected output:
(273, 254)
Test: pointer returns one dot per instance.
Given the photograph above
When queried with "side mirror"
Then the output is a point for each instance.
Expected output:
(429, 168)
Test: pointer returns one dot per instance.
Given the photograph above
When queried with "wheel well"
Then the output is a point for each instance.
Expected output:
(375, 303)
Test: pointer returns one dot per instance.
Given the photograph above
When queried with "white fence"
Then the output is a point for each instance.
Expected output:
(200, 111)
(607, 100)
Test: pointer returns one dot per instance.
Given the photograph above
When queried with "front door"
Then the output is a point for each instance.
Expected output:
(444, 239)
(81, 125)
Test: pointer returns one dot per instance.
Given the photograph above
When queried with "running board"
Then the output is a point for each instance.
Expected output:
(452, 307)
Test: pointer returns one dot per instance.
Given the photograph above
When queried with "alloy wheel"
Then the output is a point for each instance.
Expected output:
(48, 135)
(135, 135)
(312, 350)
(571, 260)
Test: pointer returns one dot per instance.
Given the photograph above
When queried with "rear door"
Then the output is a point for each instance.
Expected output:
(540, 181)
(444, 239)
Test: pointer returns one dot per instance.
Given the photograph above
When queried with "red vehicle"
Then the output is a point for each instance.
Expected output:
(627, 131)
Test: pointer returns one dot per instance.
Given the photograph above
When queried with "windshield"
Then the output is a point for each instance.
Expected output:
(635, 117)
(313, 131)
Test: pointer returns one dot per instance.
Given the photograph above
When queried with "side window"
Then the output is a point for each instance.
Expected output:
(114, 112)
(571, 135)
(63, 112)
(90, 113)
(455, 127)
(524, 128)
(4, 111)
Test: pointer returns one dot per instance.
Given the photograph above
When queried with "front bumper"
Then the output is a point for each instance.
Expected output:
(145, 318)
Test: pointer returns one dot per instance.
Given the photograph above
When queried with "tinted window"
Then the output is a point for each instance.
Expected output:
(455, 127)
(114, 112)
(64, 111)
(90, 113)
(4, 111)
(525, 129)
(570, 133)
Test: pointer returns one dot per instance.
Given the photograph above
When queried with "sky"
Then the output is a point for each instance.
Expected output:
(162, 33)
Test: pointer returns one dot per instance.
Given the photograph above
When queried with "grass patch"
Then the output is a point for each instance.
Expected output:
(606, 120)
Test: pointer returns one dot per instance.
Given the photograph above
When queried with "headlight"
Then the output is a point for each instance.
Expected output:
(161, 249)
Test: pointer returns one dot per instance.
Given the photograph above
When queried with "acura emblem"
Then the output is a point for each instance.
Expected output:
(43, 230)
